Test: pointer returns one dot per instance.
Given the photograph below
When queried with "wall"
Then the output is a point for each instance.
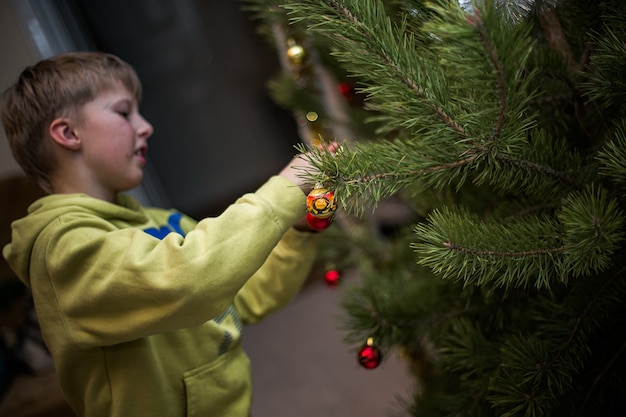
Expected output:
(16, 51)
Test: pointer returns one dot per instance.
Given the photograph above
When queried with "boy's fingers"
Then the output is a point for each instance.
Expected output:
(330, 147)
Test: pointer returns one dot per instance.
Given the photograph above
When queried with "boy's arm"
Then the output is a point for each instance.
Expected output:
(280, 278)
(113, 286)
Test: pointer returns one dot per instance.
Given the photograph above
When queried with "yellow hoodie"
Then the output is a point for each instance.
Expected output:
(142, 308)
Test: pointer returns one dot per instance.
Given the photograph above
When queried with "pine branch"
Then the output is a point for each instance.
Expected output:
(509, 140)
(533, 251)
(498, 69)
(372, 39)
(461, 154)
(612, 156)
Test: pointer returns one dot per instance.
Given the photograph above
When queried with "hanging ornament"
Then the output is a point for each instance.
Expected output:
(369, 355)
(321, 206)
(349, 93)
(346, 90)
(316, 223)
(321, 202)
(295, 52)
(332, 277)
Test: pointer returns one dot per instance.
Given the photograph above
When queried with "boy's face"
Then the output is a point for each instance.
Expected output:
(113, 137)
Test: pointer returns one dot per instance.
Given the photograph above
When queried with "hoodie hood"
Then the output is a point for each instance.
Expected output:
(52, 208)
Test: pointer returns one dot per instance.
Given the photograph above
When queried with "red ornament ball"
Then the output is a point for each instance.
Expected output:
(332, 277)
(316, 223)
(345, 89)
(369, 355)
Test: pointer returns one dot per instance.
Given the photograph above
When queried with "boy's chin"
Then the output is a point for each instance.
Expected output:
(131, 186)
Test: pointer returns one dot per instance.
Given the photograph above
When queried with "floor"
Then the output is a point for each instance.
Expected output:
(301, 366)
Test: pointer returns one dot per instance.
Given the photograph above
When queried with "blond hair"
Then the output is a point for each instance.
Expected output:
(56, 87)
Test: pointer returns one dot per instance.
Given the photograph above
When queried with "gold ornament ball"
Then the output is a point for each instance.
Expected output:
(296, 54)
(321, 203)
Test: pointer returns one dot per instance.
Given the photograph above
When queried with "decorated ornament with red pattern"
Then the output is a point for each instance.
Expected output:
(321, 202)
(321, 206)
(369, 355)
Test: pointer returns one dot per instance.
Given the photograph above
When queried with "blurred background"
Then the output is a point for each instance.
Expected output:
(217, 135)
(204, 69)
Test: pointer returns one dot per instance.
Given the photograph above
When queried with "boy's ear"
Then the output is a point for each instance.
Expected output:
(62, 133)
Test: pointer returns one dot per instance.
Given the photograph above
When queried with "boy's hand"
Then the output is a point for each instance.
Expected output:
(300, 164)
(294, 170)
(303, 226)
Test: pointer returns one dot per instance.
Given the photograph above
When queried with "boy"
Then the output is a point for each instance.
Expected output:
(141, 308)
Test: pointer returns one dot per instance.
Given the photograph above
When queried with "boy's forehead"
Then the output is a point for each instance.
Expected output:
(116, 86)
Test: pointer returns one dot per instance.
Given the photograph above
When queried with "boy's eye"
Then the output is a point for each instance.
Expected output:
(124, 114)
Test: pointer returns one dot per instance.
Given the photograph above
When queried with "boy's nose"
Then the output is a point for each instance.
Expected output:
(145, 129)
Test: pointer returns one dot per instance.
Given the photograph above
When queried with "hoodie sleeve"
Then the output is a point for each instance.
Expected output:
(280, 278)
(110, 284)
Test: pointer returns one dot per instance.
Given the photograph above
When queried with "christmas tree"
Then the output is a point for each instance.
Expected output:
(496, 133)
